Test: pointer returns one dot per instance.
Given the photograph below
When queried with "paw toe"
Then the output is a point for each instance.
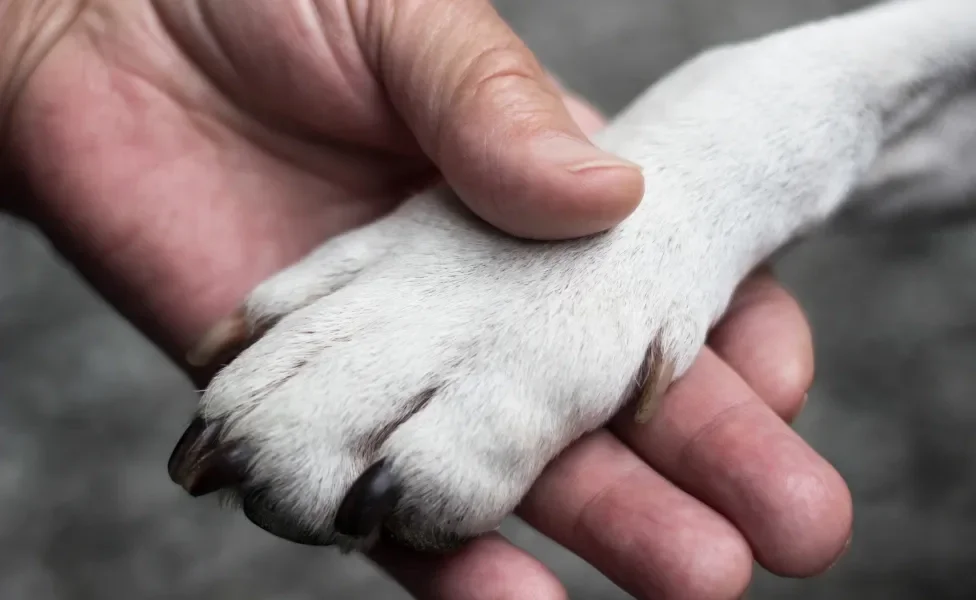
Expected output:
(329, 268)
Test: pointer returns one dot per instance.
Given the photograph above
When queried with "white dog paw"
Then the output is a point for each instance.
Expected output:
(416, 376)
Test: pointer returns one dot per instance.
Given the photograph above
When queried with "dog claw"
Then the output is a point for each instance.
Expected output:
(229, 333)
(201, 465)
(368, 503)
(660, 374)
(263, 512)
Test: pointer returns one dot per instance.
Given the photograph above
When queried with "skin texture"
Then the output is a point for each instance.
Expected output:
(178, 164)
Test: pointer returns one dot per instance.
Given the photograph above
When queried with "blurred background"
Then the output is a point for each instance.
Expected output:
(89, 410)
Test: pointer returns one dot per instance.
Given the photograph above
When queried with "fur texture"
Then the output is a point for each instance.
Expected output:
(466, 360)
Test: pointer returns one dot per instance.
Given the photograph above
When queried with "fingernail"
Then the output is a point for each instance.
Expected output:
(843, 553)
(576, 155)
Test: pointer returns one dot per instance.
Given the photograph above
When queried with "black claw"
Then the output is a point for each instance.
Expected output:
(368, 503)
(201, 465)
(260, 510)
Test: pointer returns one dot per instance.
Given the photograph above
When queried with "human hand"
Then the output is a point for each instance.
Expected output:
(180, 152)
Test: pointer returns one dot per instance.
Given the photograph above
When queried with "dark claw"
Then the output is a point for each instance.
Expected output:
(201, 465)
(368, 503)
(261, 511)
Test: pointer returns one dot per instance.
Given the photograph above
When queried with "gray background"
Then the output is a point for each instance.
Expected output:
(89, 411)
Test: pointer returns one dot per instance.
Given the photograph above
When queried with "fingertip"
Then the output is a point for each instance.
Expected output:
(810, 541)
(487, 568)
(722, 570)
(559, 203)
(787, 385)
(765, 337)
(597, 198)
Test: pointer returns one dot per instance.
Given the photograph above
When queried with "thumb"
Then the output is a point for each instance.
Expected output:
(486, 113)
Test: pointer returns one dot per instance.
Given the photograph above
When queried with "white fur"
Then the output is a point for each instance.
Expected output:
(470, 359)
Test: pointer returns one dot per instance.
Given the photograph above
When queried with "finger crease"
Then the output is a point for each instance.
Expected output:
(720, 419)
(581, 521)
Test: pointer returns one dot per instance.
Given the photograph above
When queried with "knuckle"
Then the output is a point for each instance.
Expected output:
(498, 77)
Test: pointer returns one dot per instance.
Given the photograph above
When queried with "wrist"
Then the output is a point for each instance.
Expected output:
(28, 30)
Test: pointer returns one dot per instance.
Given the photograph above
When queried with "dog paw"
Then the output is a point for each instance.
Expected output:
(414, 377)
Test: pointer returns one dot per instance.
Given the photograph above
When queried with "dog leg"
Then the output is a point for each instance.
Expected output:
(421, 390)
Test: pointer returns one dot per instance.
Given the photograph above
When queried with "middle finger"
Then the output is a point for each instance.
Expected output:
(717, 439)
(604, 503)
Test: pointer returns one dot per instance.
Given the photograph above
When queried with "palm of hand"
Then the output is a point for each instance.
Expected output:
(137, 105)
